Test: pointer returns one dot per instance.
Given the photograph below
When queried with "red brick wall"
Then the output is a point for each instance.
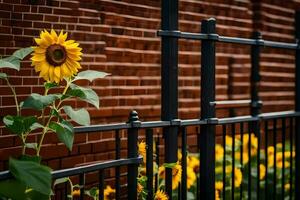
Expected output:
(119, 37)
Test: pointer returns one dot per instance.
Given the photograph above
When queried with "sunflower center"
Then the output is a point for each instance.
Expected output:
(56, 54)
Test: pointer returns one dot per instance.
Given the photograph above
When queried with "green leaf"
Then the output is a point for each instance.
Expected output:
(10, 62)
(65, 132)
(90, 75)
(85, 94)
(36, 159)
(49, 85)
(3, 75)
(169, 165)
(15, 190)
(35, 126)
(61, 180)
(19, 124)
(22, 53)
(80, 116)
(32, 174)
(38, 102)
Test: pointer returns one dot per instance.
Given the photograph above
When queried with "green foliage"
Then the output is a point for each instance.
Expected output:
(39, 102)
(90, 75)
(80, 116)
(13, 61)
(19, 124)
(85, 94)
(3, 76)
(32, 174)
(64, 131)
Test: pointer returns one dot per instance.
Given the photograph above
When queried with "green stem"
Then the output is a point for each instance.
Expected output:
(43, 111)
(15, 96)
(45, 130)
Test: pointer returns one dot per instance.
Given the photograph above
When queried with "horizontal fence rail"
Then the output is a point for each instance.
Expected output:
(225, 39)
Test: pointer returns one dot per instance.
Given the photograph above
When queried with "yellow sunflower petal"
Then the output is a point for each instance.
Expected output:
(38, 57)
(62, 37)
(53, 35)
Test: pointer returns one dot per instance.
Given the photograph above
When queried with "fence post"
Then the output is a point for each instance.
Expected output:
(132, 152)
(297, 106)
(255, 101)
(169, 84)
(207, 133)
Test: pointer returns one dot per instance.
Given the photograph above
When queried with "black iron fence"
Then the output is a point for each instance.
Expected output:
(267, 129)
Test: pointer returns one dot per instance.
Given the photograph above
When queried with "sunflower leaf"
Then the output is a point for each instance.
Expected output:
(10, 62)
(32, 174)
(22, 53)
(64, 131)
(19, 124)
(3, 76)
(90, 75)
(80, 116)
(38, 102)
(85, 94)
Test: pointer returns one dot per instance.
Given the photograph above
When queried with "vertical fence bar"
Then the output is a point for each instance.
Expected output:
(169, 77)
(255, 102)
(275, 154)
(157, 162)
(283, 131)
(233, 161)
(132, 151)
(249, 163)
(224, 160)
(101, 184)
(297, 107)
(242, 152)
(81, 183)
(291, 158)
(207, 136)
(117, 169)
(198, 150)
(183, 162)
(266, 159)
(149, 163)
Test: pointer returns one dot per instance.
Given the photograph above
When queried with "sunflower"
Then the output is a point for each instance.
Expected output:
(176, 174)
(109, 193)
(142, 150)
(55, 57)
(194, 163)
(191, 177)
(217, 197)
(254, 143)
(219, 185)
(76, 193)
(160, 195)
(262, 171)
(238, 177)
(219, 152)
(245, 157)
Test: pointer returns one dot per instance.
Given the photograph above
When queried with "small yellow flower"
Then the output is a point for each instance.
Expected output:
(219, 152)
(191, 177)
(238, 177)
(194, 163)
(279, 161)
(287, 186)
(179, 155)
(55, 57)
(76, 193)
(270, 150)
(160, 195)
(219, 185)
(139, 188)
(228, 140)
(254, 143)
(245, 157)
(109, 193)
(271, 160)
(217, 197)
(262, 171)
(142, 150)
